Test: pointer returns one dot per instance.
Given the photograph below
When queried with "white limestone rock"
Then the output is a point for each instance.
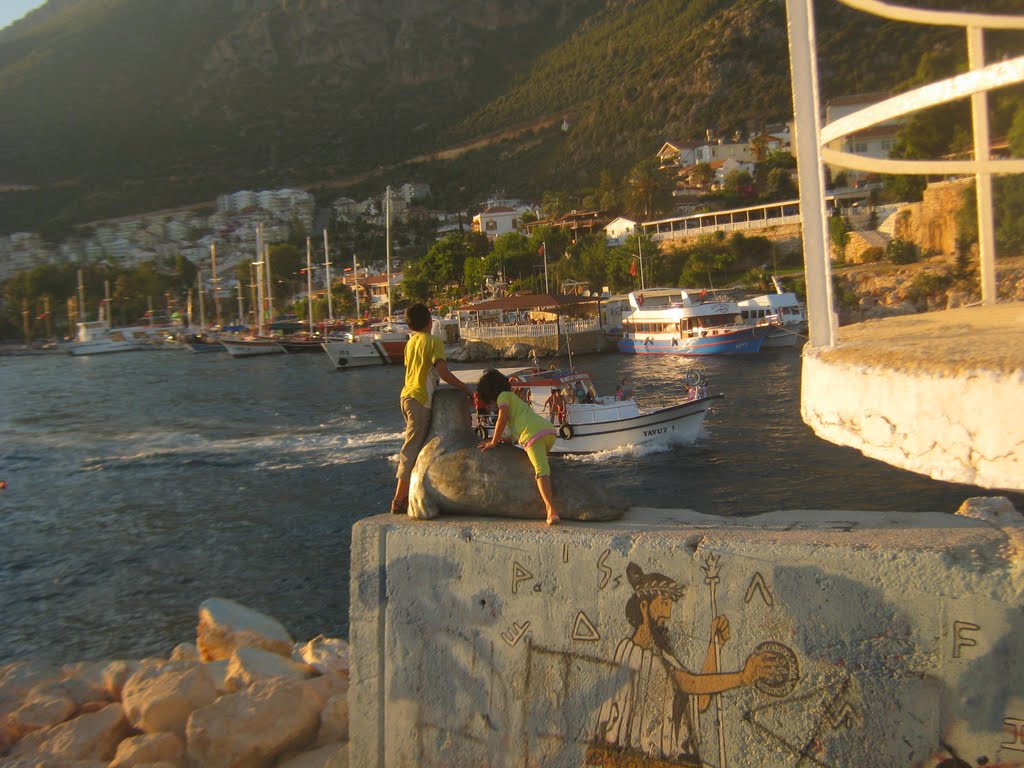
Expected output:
(334, 720)
(185, 652)
(254, 726)
(39, 711)
(157, 700)
(218, 672)
(327, 655)
(150, 748)
(328, 756)
(225, 625)
(253, 665)
(19, 677)
(92, 736)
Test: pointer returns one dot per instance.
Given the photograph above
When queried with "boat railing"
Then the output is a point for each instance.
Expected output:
(529, 330)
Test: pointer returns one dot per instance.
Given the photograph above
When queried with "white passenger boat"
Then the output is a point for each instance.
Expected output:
(780, 313)
(351, 350)
(596, 423)
(671, 321)
(98, 338)
(251, 346)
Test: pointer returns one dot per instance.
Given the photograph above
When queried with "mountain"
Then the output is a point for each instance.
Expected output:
(111, 107)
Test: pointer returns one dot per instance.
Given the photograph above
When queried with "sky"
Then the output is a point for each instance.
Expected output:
(12, 10)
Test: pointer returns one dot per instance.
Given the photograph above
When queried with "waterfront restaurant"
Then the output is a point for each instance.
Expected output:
(527, 315)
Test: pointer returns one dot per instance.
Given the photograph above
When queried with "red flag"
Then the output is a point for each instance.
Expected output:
(541, 249)
(703, 293)
(632, 268)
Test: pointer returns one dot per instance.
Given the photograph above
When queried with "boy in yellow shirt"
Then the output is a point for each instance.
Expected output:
(424, 354)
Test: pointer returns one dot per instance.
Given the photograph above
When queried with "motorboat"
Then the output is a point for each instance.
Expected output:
(594, 423)
(781, 314)
(97, 338)
(251, 346)
(673, 321)
(352, 350)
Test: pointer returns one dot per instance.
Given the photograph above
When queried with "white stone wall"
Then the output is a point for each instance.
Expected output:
(880, 638)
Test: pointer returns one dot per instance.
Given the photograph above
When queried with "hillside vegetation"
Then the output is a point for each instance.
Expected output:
(112, 107)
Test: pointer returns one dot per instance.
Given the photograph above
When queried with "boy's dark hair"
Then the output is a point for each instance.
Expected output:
(417, 317)
(492, 383)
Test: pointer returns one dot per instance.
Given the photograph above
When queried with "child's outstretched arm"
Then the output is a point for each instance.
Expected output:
(499, 430)
(451, 378)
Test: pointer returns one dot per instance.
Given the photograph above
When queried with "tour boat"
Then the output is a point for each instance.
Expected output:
(671, 321)
(97, 338)
(780, 313)
(595, 423)
(350, 350)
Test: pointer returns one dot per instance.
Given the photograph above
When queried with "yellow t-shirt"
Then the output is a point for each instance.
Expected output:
(422, 351)
(524, 423)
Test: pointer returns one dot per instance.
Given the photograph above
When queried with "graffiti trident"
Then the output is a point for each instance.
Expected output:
(711, 568)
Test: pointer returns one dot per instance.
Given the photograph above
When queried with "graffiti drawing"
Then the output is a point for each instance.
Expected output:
(515, 633)
(653, 717)
(960, 638)
(758, 585)
(584, 629)
(606, 571)
(519, 574)
(1014, 727)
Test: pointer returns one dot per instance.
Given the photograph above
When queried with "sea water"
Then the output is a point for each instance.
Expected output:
(139, 484)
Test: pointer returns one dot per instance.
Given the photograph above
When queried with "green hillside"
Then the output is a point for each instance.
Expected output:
(112, 107)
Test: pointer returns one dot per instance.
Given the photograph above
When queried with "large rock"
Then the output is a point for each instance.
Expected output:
(252, 727)
(330, 756)
(161, 699)
(334, 720)
(19, 677)
(40, 711)
(93, 736)
(225, 625)
(327, 655)
(150, 748)
(254, 665)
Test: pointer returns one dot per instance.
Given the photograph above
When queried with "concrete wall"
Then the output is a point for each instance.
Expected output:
(877, 639)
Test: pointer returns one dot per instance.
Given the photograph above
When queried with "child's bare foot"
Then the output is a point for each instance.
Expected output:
(553, 518)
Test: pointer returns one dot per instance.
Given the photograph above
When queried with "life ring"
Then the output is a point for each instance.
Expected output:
(694, 377)
(481, 432)
(565, 432)
(513, 380)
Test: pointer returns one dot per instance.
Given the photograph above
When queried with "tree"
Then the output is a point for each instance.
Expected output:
(702, 175)
(648, 189)
(738, 182)
(780, 185)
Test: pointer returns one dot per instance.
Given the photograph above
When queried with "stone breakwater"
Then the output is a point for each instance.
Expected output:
(244, 695)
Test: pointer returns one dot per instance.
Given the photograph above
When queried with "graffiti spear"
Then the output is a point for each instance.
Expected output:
(711, 568)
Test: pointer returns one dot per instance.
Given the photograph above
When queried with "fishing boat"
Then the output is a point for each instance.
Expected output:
(98, 338)
(780, 314)
(672, 321)
(594, 423)
(351, 350)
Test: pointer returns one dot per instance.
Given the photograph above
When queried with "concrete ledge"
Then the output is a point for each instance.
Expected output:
(853, 638)
(940, 394)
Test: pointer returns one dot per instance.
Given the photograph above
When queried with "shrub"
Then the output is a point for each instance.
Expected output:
(901, 251)
(928, 284)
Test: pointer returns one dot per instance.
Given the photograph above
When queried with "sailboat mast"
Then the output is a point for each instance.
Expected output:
(327, 280)
(241, 306)
(202, 303)
(80, 309)
(309, 282)
(387, 233)
(106, 300)
(640, 254)
(355, 283)
(216, 286)
(269, 285)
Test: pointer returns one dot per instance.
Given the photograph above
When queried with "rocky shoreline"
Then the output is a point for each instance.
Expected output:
(244, 695)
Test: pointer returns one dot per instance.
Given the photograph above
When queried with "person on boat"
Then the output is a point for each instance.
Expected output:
(627, 391)
(555, 406)
(424, 362)
(482, 411)
(618, 391)
(528, 427)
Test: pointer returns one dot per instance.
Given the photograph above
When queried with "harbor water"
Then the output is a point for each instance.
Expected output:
(140, 484)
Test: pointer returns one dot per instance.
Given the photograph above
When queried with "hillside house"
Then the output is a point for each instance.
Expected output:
(618, 229)
(876, 141)
(677, 153)
(497, 220)
(576, 223)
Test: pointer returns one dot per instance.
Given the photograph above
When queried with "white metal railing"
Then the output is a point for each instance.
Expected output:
(530, 330)
(812, 139)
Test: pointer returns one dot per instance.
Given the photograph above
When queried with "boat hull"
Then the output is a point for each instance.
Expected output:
(251, 347)
(104, 347)
(394, 349)
(742, 342)
(675, 425)
(354, 354)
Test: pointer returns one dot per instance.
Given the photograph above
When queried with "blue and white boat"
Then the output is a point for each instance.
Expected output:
(672, 321)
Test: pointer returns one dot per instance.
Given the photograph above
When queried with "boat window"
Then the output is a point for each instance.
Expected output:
(715, 321)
